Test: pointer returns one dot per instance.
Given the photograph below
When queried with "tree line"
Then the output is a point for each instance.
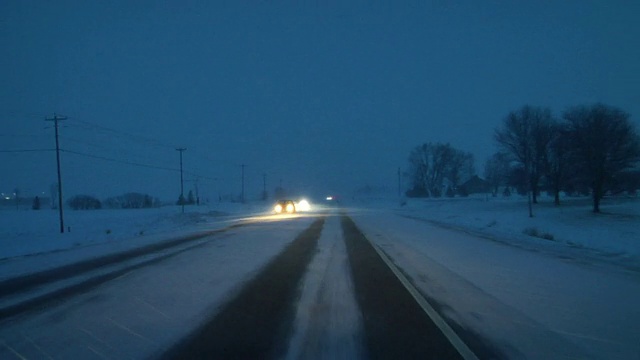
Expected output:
(437, 169)
(592, 149)
(126, 201)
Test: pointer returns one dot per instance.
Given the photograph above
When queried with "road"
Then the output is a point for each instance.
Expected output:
(327, 285)
(318, 290)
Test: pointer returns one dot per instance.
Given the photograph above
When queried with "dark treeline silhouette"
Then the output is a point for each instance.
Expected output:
(438, 169)
(126, 201)
(593, 150)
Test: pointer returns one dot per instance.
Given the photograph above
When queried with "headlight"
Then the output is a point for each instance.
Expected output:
(290, 208)
(278, 208)
(304, 205)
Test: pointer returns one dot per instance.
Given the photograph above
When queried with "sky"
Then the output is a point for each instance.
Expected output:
(319, 97)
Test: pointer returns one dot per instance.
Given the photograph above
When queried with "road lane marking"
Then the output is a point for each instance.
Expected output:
(13, 351)
(453, 338)
(33, 343)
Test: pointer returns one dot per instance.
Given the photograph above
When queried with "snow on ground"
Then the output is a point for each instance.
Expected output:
(328, 320)
(31, 240)
(553, 293)
(143, 313)
(521, 291)
(612, 236)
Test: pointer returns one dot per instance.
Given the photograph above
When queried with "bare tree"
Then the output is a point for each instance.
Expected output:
(132, 200)
(430, 164)
(544, 130)
(525, 136)
(496, 171)
(604, 143)
(441, 156)
(84, 202)
(419, 164)
(557, 160)
(460, 168)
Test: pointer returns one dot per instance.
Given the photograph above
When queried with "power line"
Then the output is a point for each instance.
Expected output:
(136, 164)
(112, 151)
(155, 142)
(26, 150)
(201, 176)
(83, 142)
(142, 140)
(119, 161)
(147, 140)
(23, 135)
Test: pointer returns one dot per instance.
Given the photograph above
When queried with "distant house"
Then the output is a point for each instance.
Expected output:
(475, 185)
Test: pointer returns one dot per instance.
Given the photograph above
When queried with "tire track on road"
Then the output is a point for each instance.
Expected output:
(257, 323)
(396, 326)
(68, 280)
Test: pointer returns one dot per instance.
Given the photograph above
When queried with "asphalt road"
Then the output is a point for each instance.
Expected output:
(259, 321)
(328, 293)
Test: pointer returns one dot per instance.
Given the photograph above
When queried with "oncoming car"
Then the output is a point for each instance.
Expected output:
(285, 207)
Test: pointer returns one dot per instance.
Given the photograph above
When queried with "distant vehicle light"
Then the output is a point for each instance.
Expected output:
(329, 198)
(303, 205)
(285, 206)
(290, 208)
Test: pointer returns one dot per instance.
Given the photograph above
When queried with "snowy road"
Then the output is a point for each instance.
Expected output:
(523, 303)
(143, 312)
(348, 305)
(315, 287)
(298, 287)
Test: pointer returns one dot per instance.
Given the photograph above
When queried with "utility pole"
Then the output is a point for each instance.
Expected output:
(55, 120)
(16, 193)
(399, 184)
(264, 187)
(181, 179)
(242, 194)
(197, 193)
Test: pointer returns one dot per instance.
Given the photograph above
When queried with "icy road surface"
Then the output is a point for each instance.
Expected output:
(145, 311)
(337, 301)
(526, 303)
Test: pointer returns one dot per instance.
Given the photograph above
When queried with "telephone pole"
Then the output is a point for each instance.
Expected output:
(264, 187)
(399, 184)
(242, 194)
(55, 120)
(197, 192)
(181, 179)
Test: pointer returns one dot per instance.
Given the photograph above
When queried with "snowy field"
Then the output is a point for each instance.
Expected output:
(568, 230)
(577, 293)
(571, 229)
(31, 240)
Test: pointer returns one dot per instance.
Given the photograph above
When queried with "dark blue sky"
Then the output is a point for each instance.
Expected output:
(325, 96)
